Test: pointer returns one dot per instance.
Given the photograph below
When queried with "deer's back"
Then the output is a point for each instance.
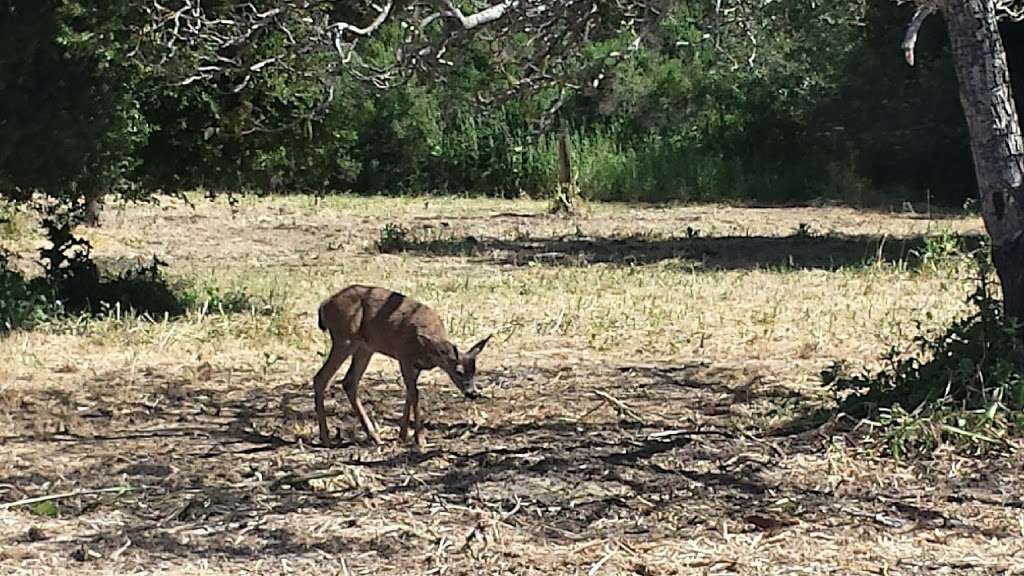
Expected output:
(382, 320)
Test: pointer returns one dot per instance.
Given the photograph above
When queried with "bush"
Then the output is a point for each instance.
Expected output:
(21, 303)
(73, 283)
(964, 387)
(141, 289)
(73, 279)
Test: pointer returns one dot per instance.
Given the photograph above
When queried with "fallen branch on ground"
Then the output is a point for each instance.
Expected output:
(64, 495)
(623, 408)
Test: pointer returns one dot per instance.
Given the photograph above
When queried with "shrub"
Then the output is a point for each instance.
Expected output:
(963, 387)
(21, 304)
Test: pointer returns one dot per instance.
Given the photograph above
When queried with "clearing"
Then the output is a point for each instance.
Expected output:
(645, 363)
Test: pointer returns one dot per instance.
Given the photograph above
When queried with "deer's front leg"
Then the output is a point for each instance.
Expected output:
(410, 374)
(403, 431)
(421, 438)
(360, 360)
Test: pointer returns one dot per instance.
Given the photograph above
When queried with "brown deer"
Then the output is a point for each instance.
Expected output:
(364, 320)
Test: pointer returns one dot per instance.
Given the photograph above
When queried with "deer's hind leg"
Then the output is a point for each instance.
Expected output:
(360, 360)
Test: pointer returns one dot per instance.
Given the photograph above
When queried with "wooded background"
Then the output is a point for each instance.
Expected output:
(809, 101)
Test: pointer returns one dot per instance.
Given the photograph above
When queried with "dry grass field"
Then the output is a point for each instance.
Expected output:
(645, 364)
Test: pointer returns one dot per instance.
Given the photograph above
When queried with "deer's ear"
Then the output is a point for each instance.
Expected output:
(425, 342)
(478, 347)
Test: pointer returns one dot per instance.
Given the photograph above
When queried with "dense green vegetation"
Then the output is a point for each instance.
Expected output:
(813, 101)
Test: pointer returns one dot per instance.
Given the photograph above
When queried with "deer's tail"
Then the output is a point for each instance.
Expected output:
(320, 317)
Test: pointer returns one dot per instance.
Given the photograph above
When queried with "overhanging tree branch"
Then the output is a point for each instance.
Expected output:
(485, 16)
(382, 17)
(531, 45)
(910, 40)
(1011, 10)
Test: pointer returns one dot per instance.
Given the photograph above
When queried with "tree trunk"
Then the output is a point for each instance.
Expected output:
(564, 170)
(995, 133)
(92, 210)
(566, 196)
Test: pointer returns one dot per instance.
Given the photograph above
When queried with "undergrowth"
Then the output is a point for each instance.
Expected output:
(963, 387)
(394, 238)
(21, 304)
(208, 299)
(72, 284)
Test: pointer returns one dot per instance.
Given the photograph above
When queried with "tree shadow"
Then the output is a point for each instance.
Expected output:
(797, 251)
(737, 386)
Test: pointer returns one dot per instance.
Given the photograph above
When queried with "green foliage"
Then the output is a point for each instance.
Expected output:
(902, 127)
(212, 299)
(939, 250)
(74, 281)
(397, 141)
(686, 117)
(495, 154)
(779, 102)
(265, 139)
(46, 508)
(72, 120)
(21, 303)
(964, 386)
(77, 286)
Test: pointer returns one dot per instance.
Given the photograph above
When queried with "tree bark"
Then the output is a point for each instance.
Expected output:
(996, 144)
(92, 210)
(564, 170)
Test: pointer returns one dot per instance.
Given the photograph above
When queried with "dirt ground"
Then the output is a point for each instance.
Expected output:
(644, 365)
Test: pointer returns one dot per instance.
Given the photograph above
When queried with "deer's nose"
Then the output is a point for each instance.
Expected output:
(472, 394)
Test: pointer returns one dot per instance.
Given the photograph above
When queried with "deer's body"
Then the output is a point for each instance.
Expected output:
(365, 320)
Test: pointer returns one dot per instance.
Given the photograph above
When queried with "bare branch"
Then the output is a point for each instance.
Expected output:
(485, 16)
(1012, 10)
(910, 39)
(382, 17)
(533, 44)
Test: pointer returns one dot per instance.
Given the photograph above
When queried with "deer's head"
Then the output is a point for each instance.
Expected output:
(461, 368)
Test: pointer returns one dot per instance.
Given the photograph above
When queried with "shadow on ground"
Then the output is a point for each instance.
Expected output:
(799, 251)
(225, 470)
